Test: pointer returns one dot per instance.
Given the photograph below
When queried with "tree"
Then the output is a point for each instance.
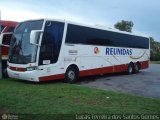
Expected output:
(155, 49)
(124, 26)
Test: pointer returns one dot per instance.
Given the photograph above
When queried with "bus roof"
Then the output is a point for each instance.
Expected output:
(90, 26)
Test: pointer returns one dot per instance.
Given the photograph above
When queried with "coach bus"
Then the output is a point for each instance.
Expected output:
(45, 49)
(7, 28)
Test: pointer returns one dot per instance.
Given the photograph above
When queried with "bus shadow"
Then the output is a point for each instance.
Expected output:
(85, 79)
(96, 77)
(37, 83)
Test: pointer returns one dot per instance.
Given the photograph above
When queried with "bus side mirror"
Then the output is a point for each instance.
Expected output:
(5, 39)
(34, 37)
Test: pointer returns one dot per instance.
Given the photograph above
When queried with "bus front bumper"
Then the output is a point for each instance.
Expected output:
(26, 75)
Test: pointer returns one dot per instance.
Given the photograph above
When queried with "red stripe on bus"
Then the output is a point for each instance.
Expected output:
(52, 77)
(121, 68)
(97, 71)
(5, 50)
(110, 69)
(144, 64)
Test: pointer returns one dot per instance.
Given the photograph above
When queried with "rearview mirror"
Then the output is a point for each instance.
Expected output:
(34, 37)
(5, 39)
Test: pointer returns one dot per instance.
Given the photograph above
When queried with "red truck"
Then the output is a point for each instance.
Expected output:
(7, 27)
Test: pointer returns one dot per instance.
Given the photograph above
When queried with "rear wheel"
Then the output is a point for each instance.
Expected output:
(136, 68)
(130, 68)
(72, 74)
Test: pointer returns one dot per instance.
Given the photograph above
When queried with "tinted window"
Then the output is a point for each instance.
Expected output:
(90, 36)
(6, 39)
(84, 35)
(2, 27)
(21, 51)
(51, 42)
(11, 29)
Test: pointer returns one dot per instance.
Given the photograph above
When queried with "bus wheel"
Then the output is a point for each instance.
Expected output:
(136, 68)
(130, 68)
(5, 74)
(71, 74)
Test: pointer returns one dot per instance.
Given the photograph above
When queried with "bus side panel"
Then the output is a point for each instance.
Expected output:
(144, 64)
(52, 77)
(5, 52)
(91, 63)
(120, 68)
(96, 71)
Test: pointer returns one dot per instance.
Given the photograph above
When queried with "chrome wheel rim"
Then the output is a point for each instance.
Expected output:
(136, 68)
(130, 69)
(71, 75)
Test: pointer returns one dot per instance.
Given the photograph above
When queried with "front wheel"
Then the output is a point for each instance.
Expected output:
(71, 75)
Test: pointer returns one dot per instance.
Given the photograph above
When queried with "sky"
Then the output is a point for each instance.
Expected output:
(145, 14)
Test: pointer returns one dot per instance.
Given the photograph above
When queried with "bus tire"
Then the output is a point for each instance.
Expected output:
(136, 68)
(72, 74)
(5, 73)
(130, 68)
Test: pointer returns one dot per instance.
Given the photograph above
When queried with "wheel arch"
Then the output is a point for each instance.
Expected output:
(71, 73)
(131, 63)
(139, 64)
(71, 65)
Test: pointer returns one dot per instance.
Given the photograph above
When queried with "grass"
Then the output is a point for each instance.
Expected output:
(56, 100)
(155, 62)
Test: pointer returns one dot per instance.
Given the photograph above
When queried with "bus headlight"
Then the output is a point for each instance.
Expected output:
(32, 68)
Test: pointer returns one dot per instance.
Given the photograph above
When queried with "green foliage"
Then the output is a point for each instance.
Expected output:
(155, 50)
(124, 26)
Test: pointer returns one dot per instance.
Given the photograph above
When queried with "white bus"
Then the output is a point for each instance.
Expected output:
(43, 50)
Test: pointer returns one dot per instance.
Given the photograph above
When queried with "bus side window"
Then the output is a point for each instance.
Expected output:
(51, 42)
(2, 27)
(6, 39)
(11, 29)
(46, 52)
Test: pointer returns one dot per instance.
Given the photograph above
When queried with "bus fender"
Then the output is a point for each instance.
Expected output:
(71, 64)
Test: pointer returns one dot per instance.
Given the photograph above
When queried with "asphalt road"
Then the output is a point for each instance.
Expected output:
(146, 83)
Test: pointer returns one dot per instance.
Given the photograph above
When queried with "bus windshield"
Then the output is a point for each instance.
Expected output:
(21, 51)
